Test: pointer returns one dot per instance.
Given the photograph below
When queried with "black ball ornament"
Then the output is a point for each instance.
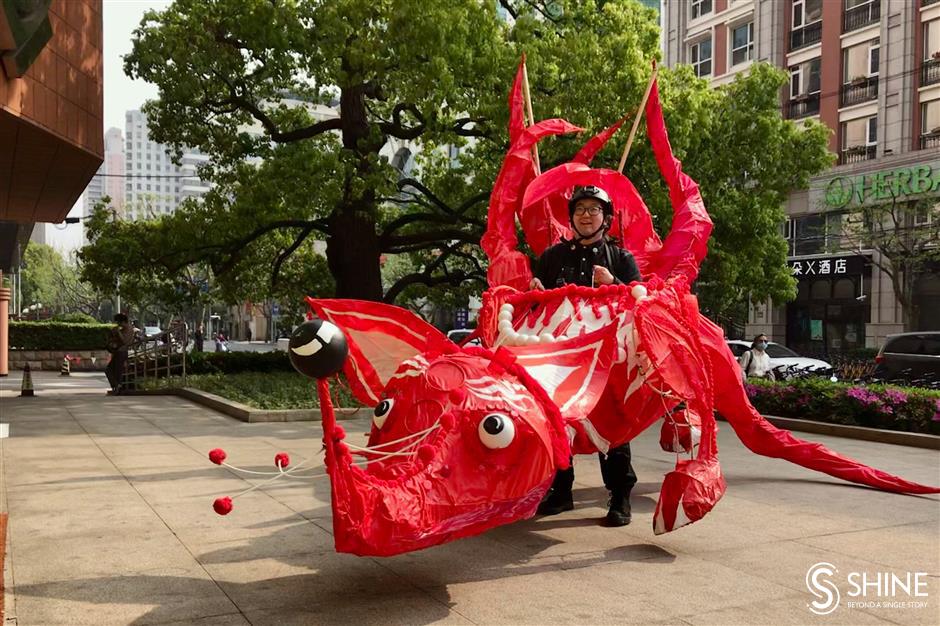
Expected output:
(317, 348)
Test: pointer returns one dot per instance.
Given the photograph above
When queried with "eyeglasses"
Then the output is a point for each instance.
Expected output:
(589, 210)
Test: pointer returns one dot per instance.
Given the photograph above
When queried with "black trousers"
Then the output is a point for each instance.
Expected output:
(115, 369)
(616, 469)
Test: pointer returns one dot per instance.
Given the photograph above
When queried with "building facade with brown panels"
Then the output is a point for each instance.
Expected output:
(51, 108)
(870, 71)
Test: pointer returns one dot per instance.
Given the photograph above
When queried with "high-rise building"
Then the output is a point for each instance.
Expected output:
(870, 71)
(108, 180)
(153, 184)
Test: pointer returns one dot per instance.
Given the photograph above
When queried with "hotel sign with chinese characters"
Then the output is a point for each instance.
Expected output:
(874, 187)
(827, 267)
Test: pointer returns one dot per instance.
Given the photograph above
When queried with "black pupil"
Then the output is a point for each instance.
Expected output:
(493, 424)
(383, 408)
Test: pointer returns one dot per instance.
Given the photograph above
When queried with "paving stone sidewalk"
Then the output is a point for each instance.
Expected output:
(110, 522)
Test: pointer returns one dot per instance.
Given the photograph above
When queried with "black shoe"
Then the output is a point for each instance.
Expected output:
(556, 502)
(619, 510)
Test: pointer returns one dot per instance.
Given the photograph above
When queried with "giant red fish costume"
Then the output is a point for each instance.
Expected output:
(468, 438)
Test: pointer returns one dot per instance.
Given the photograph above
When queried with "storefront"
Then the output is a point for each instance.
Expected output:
(832, 307)
(845, 299)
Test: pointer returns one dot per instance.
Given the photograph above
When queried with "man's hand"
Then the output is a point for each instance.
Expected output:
(602, 276)
(537, 285)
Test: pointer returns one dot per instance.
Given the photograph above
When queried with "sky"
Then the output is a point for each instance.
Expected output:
(121, 94)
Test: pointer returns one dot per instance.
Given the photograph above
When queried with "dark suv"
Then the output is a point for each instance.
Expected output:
(910, 356)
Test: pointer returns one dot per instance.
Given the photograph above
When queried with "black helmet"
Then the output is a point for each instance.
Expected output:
(590, 191)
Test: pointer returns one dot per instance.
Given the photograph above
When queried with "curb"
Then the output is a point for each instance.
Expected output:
(864, 433)
(247, 413)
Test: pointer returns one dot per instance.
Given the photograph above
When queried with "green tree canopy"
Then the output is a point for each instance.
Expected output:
(251, 83)
(49, 280)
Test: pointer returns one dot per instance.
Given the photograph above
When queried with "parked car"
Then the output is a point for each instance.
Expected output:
(458, 335)
(783, 359)
(909, 356)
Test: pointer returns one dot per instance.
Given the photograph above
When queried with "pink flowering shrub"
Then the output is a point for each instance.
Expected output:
(879, 406)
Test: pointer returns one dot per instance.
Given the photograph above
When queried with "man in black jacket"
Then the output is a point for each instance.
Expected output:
(590, 259)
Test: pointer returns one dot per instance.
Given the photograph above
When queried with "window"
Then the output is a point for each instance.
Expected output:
(804, 78)
(872, 131)
(930, 123)
(700, 8)
(742, 43)
(931, 39)
(776, 351)
(700, 55)
(860, 61)
(873, 54)
(806, 12)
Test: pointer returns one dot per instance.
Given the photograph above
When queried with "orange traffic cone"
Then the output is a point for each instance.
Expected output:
(26, 389)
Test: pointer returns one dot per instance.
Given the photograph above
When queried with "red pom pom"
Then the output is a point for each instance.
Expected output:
(217, 456)
(339, 432)
(447, 421)
(425, 453)
(222, 506)
(281, 460)
(457, 396)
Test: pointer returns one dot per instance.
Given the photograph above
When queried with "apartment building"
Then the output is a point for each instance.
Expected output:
(870, 71)
(154, 185)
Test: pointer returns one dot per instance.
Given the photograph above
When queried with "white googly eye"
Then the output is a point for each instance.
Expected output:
(496, 431)
(380, 414)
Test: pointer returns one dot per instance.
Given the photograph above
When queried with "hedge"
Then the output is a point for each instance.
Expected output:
(58, 336)
(237, 362)
(269, 390)
(908, 409)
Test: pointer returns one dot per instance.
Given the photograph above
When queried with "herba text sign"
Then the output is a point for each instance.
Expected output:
(843, 191)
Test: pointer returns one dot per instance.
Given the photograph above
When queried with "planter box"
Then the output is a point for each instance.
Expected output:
(51, 360)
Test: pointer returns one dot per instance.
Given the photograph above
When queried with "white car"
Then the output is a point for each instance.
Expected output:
(781, 357)
(458, 335)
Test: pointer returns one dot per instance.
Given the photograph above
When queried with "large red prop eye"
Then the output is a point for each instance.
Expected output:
(496, 431)
(380, 414)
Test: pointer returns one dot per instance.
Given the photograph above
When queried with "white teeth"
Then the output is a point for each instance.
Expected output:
(308, 348)
(638, 292)
(546, 338)
(506, 308)
(327, 331)
(505, 316)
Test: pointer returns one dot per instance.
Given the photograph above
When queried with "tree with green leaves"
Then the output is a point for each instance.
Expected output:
(300, 103)
(49, 280)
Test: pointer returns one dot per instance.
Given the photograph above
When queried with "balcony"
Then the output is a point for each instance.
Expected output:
(861, 16)
(857, 154)
(803, 105)
(806, 35)
(930, 71)
(930, 140)
(927, 3)
(861, 89)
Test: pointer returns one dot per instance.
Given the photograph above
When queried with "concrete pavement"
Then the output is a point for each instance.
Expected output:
(110, 522)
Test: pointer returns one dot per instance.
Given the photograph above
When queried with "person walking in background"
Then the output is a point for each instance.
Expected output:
(199, 338)
(755, 363)
(120, 339)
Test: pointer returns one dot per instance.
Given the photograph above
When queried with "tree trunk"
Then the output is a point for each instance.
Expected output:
(352, 249)
(352, 252)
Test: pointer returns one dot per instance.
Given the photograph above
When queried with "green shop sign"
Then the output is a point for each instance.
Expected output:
(843, 191)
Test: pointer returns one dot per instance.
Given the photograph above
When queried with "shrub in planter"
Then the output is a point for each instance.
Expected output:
(50, 335)
(907, 409)
(237, 362)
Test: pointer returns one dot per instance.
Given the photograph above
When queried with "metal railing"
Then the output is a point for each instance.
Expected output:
(861, 16)
(806, 35)
(927, 3)
(859, 90)
(857, 154)
(930, 140)
(803, 106)
(930, 72)
(156, 356)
